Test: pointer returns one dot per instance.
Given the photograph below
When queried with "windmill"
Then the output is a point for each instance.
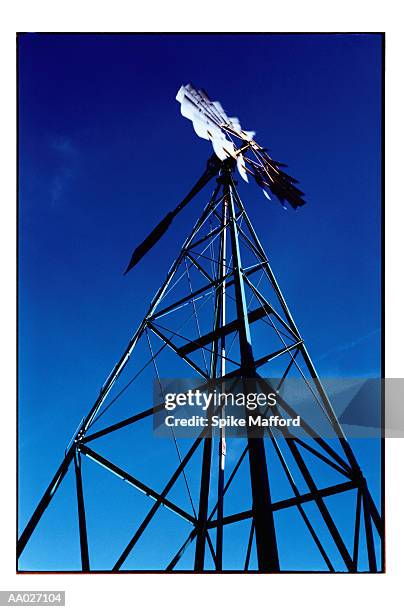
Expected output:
(221, 315)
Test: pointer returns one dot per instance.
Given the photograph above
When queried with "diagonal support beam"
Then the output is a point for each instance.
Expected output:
(44, 502)
(157, 504)
(143, 488)
(197, 265)
(175, 349)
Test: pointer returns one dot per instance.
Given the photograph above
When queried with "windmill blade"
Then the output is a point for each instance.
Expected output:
(248, 135)
(235, 123)
(267, 172)
(241, 168)
(161, 228)
(230, 140)
(201, 128)
(223, 148)
(212, 107)
(278, 164)
(220, 111)
(188, 95)
(198, 108)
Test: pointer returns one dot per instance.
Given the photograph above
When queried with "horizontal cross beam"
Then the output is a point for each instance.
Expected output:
(290, 502)
(187, 299)
(220, 332)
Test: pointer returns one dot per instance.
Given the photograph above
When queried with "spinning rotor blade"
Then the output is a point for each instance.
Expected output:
(269, 176)
(161, 228)
(229, 140)
(217, 126)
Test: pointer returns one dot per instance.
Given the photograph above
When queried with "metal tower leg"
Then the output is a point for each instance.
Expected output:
(203, 502)
(222, 438)
(85, 562)
(207, 449)
(265, 536)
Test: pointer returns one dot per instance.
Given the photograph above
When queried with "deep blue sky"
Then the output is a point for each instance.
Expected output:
(104, 153)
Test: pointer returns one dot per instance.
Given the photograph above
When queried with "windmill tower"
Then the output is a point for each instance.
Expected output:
(220, 316)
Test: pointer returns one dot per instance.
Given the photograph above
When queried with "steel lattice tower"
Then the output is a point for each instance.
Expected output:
(220, 315)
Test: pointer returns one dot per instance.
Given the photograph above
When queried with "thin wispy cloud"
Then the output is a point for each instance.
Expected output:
(66, 157)
(59, 183)
(349, 345)
(64, 146)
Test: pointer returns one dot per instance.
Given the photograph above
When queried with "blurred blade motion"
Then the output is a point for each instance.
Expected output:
(229, 140)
